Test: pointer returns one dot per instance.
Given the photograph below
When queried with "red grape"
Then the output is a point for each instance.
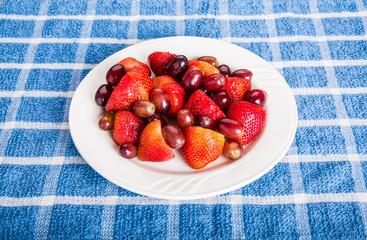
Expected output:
(185, 118)
(115, 74)
(243, 73)
(233, 150)
(143, 108)
(214, 82)
(209, 59)
(173, 136)
(128, 150)
(192, 79)
(224, 70)
(257, 96)
(103, 94)
(161, 100)
(230, 128)
(106, 121)
(177, 67)
(221, 98)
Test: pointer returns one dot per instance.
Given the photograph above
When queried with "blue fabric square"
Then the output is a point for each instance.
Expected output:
(62, 28)
(12, 52)
(351, 76)
(56, 53)
(68, 7)
(295, 26)
(315, 107)
(282, 6)
(20, 7)
(305, 77)
(262, 49)
(96, 52)
(205, 221)
(248, 28)
(4, 106)
(364, 169)
(110, 29)
(157, 7)
(140, 220)
(114, 7)
(348, 50)
(201, 7)
(36, 109)
(75, 222)
(335, 220)
(71, 150)
(343, 26)
(33, 142)
(84, 181)
(244, 8)
(356, 105)
(270, 222)
(203, 28)
(276, 182)
(148, 29)
(125, 192)
(22, 181)
(336, 6)
(49, 79)
(300, 51)
(16, 28)
(320, 140)
(360, 136)
(327, 177)
(9, 79)
(17, 222)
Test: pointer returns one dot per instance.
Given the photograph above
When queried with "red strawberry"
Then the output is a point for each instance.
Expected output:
(251, 116)
(130, 62)
(175, 92)
(202, 146)
(127, 127)
(201, 105)
(133, 86)
(206, 67)
(158, 62)
(237, 88)
(152, 146)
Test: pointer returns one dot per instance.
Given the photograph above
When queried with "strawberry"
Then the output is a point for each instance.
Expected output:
(127, 127)
(237, 88)
(152, 146)
(201, 105)
(202, 146)
(133, 86)
(158, 62)
(251, 116)
(175, 92)
(130, 62)
(206, 67)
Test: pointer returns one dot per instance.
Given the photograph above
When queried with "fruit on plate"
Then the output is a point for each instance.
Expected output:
(175, 92)
(214, 82)
(114, 74)
(127, 127)
(173, 136)
(257, 96)
(202, 146)
(237, 88)
(158, 62)
(103, 94)
(135, 85)
(177, 67)
(130, 63)
(206, 67)
(233, 150)
(192, 79)
(161, 100)
(143, 108)
(252, 117)
(224, 70)
(128, 150)
(230, 128)
(106, 121)
(201, 105)
(243, 73)
(152, 146)
(209, 59)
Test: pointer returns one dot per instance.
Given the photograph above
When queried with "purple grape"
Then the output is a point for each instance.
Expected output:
(221, 98)
(156, 116)
(185, 118)
(177, 67)
(230, 128)
(192, 79)
(233, 150)
(128, 150)
(209, 59)
(173, 136)
(224, 70)
(214, 82)
(243, 73)
(143, 108)
(106, 121)
(115, 74)
(161, 100)
(103, 94)
(257, 96)
(205, 122)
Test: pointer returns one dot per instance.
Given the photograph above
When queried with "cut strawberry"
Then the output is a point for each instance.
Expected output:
(237, 88)
(202, 146)
(206, 67)
(251, 116)
(158, 62)
(130, 62)
(127, 127)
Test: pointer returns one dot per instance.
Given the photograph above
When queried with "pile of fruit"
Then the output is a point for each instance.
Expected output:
(209, 103)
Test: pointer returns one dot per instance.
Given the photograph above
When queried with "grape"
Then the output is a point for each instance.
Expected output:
(224, 70)
(173, 136)
(257, 96)
(103, 94)
(209, 59)
(205, 122)
(192, 79)
(177, 67)
(143, 108)
(128, 150)
(221, 98)
(214, 82)
(243, 73)
(115, 74)
(233, 149)
(106, 121)
(206, 91)
(185, 118)
(230, 128)
(156, 116)
(161, 100)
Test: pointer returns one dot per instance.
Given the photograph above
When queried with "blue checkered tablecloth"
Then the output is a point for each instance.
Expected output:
(317, 191)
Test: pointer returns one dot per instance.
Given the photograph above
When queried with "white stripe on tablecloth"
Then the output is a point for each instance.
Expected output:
(357, 173)
(173, 228)
(26, 161)
(180, 23)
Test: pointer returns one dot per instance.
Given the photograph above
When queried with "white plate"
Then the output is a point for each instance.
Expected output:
(175, 179)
